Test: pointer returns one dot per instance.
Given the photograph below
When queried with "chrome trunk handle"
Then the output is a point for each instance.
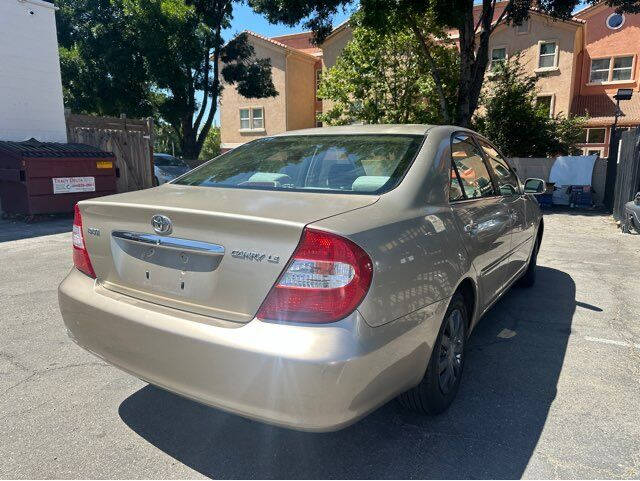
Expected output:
(173, 243)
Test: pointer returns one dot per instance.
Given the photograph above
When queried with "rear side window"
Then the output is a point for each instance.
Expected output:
(469, 169)
(508, 183)
(360, 164)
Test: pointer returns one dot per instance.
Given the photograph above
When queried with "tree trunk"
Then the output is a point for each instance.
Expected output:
(467, 46)
(473, 63)
(435, 73)
(188, 141)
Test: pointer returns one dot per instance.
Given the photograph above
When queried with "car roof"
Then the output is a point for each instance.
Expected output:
(410, 129)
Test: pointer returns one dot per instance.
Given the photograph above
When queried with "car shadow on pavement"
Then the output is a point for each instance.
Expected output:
(515, 356)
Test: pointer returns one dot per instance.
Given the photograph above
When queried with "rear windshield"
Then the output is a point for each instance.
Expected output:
(364, 164)
(168, 161)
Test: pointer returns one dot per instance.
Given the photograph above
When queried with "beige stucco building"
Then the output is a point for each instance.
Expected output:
(293, 71)
(547, 49)
(567, 58)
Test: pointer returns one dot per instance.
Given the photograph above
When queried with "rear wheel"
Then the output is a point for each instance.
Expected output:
(439, 386)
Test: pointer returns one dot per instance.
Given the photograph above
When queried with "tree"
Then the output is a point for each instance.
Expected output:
(382, 78)
(211, 147)
(473, 31)
(516, 124)
(144, 57)
(103, 72)
(165, 139)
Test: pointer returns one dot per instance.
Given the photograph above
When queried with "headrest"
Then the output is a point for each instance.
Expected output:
(369, 183)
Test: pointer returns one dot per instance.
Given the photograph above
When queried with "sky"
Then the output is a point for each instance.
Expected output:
(245, 19)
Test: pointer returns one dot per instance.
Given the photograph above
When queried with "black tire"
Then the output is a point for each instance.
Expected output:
(435, 393)
(625, 226)
(155, 181)
(529, 277)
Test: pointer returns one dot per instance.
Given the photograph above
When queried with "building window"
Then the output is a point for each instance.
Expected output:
(257, 118)
(606, 70)
(598, 152)
(523, 28)
(244, 119)
(615, 21)
(498, 56)
(544, 103)
(593, 136)
(252, 119)
(622, 67)
(318, 120)
(548, 57)
(318, 79)
(599, 70)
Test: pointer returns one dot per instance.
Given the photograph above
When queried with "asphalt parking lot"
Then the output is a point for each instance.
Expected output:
(551, 387)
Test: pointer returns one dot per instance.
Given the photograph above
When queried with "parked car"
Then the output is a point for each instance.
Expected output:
(166, 167)
(307, 278)
(632, 215)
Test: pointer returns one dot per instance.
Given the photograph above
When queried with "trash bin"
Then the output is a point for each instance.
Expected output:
(50, 177)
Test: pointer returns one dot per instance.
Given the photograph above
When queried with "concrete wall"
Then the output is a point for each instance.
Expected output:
(540, 168)
(30, 85)
(558, 81)
(275, 115)
(301, 92)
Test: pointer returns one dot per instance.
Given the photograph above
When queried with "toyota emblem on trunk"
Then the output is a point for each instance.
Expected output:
(161, 224)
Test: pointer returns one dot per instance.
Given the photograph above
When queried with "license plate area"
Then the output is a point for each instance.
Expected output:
(176, 268)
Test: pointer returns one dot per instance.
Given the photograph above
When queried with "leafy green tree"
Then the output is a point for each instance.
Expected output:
(103, 71)
(143, 57)
(382, 78)
(165, 139)
(211, 147)
(515, 123)
(473, 31)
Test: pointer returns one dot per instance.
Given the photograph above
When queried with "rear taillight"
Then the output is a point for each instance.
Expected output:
(325, 280)
(80, 255)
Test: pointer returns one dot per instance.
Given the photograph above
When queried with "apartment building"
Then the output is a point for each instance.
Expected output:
(547, 49)
(579, 65)
(295, 67)
(608, 61)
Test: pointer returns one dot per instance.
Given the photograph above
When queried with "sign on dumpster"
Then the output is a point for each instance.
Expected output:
(67, 185)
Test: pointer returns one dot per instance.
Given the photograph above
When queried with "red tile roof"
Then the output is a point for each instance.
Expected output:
(302, 41)
(601, 109)
(278, 41)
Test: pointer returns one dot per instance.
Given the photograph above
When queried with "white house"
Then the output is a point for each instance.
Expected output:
(30, 85)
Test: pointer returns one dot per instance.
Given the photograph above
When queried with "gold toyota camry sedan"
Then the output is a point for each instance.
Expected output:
(307, 278)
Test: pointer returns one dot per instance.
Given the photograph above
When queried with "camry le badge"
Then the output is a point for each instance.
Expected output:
(255, 256)
(161, 224)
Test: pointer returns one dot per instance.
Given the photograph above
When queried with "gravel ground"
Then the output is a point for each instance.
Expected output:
(551, 387)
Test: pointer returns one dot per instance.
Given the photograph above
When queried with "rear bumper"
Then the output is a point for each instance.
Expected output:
(316, 378)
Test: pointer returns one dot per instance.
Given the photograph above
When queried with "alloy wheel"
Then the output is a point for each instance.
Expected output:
(451, 351)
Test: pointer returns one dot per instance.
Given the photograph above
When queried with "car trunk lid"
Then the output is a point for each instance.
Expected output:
(222, 254)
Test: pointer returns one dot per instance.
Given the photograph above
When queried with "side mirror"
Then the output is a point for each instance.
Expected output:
(637, 199)
(534, 186)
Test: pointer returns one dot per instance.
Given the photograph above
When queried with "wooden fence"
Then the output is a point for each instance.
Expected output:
(628, 172)
(130, 140)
